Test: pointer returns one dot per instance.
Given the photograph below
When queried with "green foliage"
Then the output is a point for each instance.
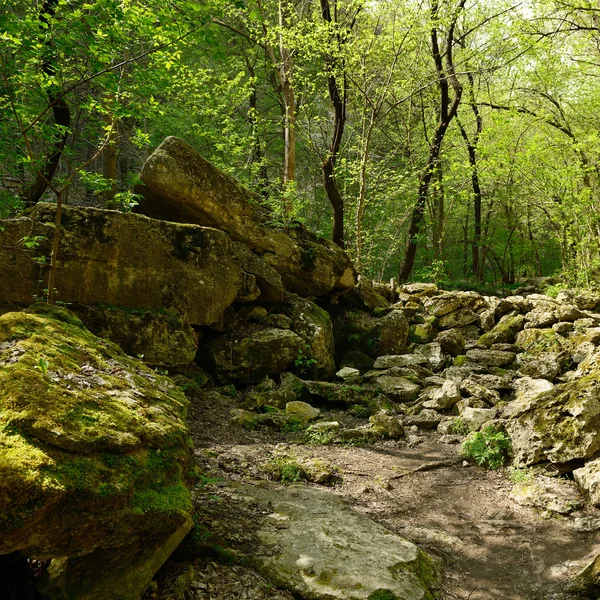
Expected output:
(286, 469)
(43, 365)
(318, 437)
(303, 363)
(488, 448)
(517, 475)
(459, 427)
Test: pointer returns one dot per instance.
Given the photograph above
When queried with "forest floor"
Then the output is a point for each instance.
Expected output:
(490, 547)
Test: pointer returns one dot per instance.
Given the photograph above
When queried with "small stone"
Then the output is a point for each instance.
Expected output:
(588, 480)
(476, 417)
(495, 358)
(399, 360)
(445, 397)
(348, 373)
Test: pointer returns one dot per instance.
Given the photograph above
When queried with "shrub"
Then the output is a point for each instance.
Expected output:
(488, 448)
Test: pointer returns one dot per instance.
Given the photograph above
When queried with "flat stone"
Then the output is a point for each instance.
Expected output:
(398, 389)
(495, 358)
(348, 373)
(445, 397)
(316, 547)
(303, 410)
(399, 360)
(588, 480)
(547, 493)
(476, 417)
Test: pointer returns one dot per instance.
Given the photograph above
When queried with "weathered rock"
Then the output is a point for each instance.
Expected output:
(548, 493)
(341, 393)
(458, 318)
(248, 358)
(504, 332)
(157, 338)
(348, 374)
(436, 357)
(476, 417)
(267, 278)
(491, 357)
(422, 333)
(304, 411)
(425, 419)
(452, 341)
(314, 545)
(527, 388)
(399, 360)
(387, 426)
(536, 341)
(547, 365)
(516, 304)
(475, 390)
(94, 457)
(398, 389)
(560, 426)
(357, 360)
(588, 480)
(445, 397)
(180, 185)
(374, 336)
(314, 326)
(364, 296)
(125, 260)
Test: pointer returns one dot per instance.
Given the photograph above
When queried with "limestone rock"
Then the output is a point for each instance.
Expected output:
(247, 358)
(94, 454)
(304, 411)
(537, 341)
(548, 493)
(458, 318)
(180, 185)
(126, 260)
(588, 480)
(504, 332)
(340, 393)
(399, 360)
(157, 338)
(374, 336)
(445, 397)
(435, 355)
(313, 325)
(348, 374)
(425, 419)
(481, 392)
(267, 278)
(476, 417)
(452, 341)
(364, 296)
(495, 358)
(387, 426)
(398, 389)
(560, 426)
(315, 546)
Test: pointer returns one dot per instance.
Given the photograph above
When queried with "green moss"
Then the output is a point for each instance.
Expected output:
(425, 570)
(460, 360)
(166, 500)
(383, 595)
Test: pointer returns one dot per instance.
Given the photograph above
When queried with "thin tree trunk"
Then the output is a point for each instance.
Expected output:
(60, 110)
(289, 119)
(448, 108)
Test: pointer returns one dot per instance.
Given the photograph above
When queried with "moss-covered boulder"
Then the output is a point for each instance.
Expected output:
(179, 185)
(504, 332)
(126, 260)
(157, 337)
(95, 458)
(560, 425)
(538, 341)
(250, 355)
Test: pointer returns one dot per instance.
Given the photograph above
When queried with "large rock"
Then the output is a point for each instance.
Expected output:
(94, 459)
(374, 336)
(248, 357)
(313, 325)
(315, 546)
(588, 480)
(158, 338)
(180, 185)
(125, 260)
(504, 332)
(561, 425)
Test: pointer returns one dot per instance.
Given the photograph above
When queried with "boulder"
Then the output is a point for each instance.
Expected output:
(267, 278)
(504, 332)
(125, 260)
(364, 297)
(550, 494)
(461, 317)
(445, 397)
(535, 341)
(399, 360)
(179, 185)
(341, 393)
(476, 417)
(560, 426)
(588, 480)
(496, 358)
(158, 338)
(247, 357)
(94, 458)
(398, 389)
(302, 410)
(311, 543)
(475, 390)
(313, 325)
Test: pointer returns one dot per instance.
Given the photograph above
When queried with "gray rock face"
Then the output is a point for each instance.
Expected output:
(504, 332)
(180, 185)
(399, 360)
(458, 318)
(445, 397)
(126, 260)
(547, 493)
(476, 417)
(313, 545)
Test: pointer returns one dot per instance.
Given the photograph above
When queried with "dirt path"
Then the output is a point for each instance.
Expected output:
(491, 548)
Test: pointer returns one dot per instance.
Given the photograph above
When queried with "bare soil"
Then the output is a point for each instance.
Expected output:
(490, 547)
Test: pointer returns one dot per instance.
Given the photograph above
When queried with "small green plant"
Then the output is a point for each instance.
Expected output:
(459, 427)
(303, 363)
(286, 469)
(291, 424)
(554, 290)
(488, 448)
(516, 475)
(43, 365)
(318, 437)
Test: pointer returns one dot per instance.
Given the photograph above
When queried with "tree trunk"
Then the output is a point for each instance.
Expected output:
(60, 110)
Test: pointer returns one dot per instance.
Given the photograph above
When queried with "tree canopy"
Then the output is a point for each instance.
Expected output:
(449, 140)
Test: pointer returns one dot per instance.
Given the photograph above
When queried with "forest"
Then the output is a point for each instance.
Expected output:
(449, 141)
